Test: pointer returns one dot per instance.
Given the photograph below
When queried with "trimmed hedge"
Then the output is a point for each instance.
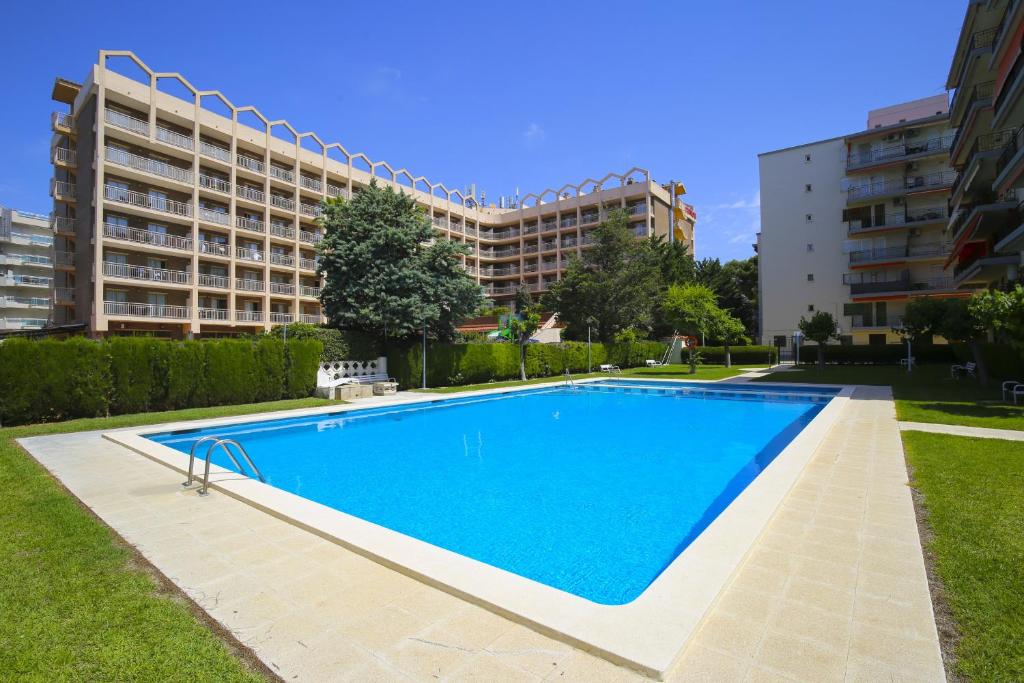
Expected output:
(59, 380)
(1002, 361)
(741, 355)
(458, 364)
(876, 354)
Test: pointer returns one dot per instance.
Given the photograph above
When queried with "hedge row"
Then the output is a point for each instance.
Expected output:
(1002, 361)
(741, 355)
(59, 380)
(457, 364)
(876, 354)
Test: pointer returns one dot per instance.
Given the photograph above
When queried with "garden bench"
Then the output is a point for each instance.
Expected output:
(968, 369)
(607, 367)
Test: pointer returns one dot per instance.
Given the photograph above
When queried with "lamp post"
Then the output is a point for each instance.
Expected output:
(796, 342)
(590, 323)
(424, 353)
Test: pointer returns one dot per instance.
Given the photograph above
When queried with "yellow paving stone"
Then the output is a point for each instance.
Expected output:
(829, 629)
(702, 665)
(383, 628)
(486, 667)
(731, 635)
(801, 659)
(530, 651)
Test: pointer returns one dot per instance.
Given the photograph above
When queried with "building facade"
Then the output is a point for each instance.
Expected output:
(854, 225)
(196, 216)
(26, 270)
(986, 225)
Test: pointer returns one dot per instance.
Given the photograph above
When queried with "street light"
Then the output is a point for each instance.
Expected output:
(796, 341)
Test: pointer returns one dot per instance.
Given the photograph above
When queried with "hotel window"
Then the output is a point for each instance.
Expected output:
(808, 187)
(810, 277)
(810, 308)
(809, 217)
(807, 158)
(810, 246)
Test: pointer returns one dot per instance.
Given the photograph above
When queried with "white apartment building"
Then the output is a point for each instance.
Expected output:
(26, 270)
(854, 225)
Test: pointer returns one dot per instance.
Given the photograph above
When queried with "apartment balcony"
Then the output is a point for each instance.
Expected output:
(213, 281)
(64, 156)
(30, 281)
(859, 285)
(313, 210)
(548, 266)
(284, 174)
(568, 222)
(249, 254)
(62, 122)
(497, 235)
(16, 259)
(146, 165)
(498, 290)
(531, 249)
(63, 296)
(309, 318)
(903, 152)
(980, 43)
(214, 152)
(126, 122)
(865, 322)
(638, 209)
(335, 190)
(146, 237)
(174, 138)
(209, 182)
(282, 230)
(247, 285)
(935, 250)
(129, 309)
(308, 263)
(62, 191)
(313, 292)
(313, 184)
(282, 259)
(214, 314)
(209, 248)
(980, 96)
(986, 217)
(284, 288)
(281, 318)
(250, 224)
(984, 270)
(64, 259)
(588, 218)
(908, 185)
(144, 201)
(310, 237)
(251, 163)
(218, 217)
(24, 302)
(470, 270)
(895, 220)
(548, 246)
(568, 243)
(22, 323)
(251, 193)
(531, 229)
(548, 226)
(249, 316)
(440, 222)
(1010, 152)
(282, 202)
(127, 271)
(499, 253)
(1009, 96)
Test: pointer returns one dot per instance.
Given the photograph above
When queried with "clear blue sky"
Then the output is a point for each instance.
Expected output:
(524, 94)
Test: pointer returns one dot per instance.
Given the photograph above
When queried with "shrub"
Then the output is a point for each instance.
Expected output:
(230, 371)
(752, 355)
(337, 344)
(876, 354)
(74, 377)
(20, 399)
(269, 374)
(302, 359)
(135, 373)
(186, 375)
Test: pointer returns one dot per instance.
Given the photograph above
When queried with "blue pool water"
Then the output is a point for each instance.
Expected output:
(592, 491)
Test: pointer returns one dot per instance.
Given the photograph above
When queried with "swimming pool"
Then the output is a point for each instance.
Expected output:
(592, 490)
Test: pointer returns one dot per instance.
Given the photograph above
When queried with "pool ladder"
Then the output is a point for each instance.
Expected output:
(569, 380)
(225, 445)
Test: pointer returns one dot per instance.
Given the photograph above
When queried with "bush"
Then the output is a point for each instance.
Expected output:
(269, 375)
(302, 359)
(186, 375)
(747, 355)
(21, 397)
(230, 371)
(337, 344)
(1002, 361)
(876, 354)
(137, 375)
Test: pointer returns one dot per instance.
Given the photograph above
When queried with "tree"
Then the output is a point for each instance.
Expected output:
(728, 329)
(736, 287)
(922, 318)
(616, 283)
(692, 310)
(523, 325)
(386, 273)
(959, 324)
(674, 261)
(821, 329)
(1001, 312)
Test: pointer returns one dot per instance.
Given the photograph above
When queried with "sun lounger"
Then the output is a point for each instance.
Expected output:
(606, 367)
(967, 369)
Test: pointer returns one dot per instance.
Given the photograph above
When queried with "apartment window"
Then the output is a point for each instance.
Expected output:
(116, 295)
(809, 218)
(810, 277)
(810, 246)
(807, 158)
(810, 308)
(808, 187)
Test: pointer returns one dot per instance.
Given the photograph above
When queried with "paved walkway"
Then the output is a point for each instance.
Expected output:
(958, 430)
(834, 589)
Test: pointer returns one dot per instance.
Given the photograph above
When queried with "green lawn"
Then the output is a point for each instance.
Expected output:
(974, 493)
(74, 603)
(705, 372)
(927, 394)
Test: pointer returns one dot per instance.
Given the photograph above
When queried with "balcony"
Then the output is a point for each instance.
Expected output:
(589, 218)
(899, 253)
(249, 316)
(214, 281)
(335, 190)
(217, 216)
(282, 288)
(126, 271)
(22, 323)
(901, 152)
(282, 202)
(209, 182)
(251, 224)
(493, 290)
(309, 318)
(214, 152)
(282, 259)
(65, 156)
(146, 165)
(214, 314)
(310, 237)
(907, 185)
(247, 285)
(174, 138)
(126, 122)
(310, 209)
(148, 237)
(313, 184)
(568, 222)
(980, 94)
(249, 254)
(139, 310)
(1010, 84)
(62, 122)
(866, 322)
(284, 174)
(62, 190)
(282, 230)
(308, 263)
(281, 318)
(25, 281)
(251, 193)
(26, 260)
(63, 295)
(1013, 145)
(153, 202)
(637, 209)
(548, 266)
(64, 259)
(209, 248)
(305, 290)
(24, 302)
(905, 284)
(43, 240)
(898, 219)
(251, 163)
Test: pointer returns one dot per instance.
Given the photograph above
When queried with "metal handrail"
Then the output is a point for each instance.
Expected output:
(224, 445)
(569, 380)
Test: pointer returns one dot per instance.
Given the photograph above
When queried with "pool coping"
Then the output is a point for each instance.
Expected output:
(647, 634)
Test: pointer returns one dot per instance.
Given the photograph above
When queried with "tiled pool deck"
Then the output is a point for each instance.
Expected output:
(833, 590)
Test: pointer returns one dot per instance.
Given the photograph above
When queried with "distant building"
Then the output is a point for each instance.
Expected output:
(26, 270)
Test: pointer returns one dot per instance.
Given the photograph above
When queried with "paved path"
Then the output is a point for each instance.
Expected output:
(958, 430)
(833, 590)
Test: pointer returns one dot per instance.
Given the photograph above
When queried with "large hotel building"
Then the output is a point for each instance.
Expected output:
(922, 203)
(194, 216)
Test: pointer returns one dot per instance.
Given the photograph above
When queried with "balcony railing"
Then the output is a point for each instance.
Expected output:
(27, 259)
(62, 189)
(1013, 145)
(251, 163)
(281, 317)
(61, 119)
(214, 183)
(568, 242)
(334, 190)
(309, 237)
(213, 215)
(588, 218)
(309, 318)
(904, 284)
(282, 288)
(146, 165)
(26, 281)
(305, 290)
(150, 237)
(250, 193)
(24, 302)
(919, 183)
(869, 322)
(62, 224)
(22, 323)
(530, 229)
(214, 314)
(637, 209)
(174, 138)
(249, 316)
(251, 224)
(282, 202)
(308, 263)
(138, 310)
(282, 230)
(131, 272)
(311, 183)
(145, 201)
(310, 209)
(214, 152)
(284, 174)
(568, 222)
(210, 280)
(64, 155)
(282, 259)
(214, 248)
(126, 121)
(63, 294)
(249, 254)
(64, 258)
(900, 151)
(247, 285)
(899, 252)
